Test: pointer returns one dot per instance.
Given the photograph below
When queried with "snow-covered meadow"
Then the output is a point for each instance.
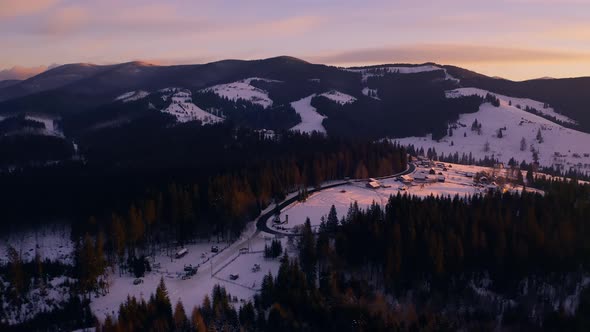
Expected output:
(560, 147)
(182, 107)
(244, 90)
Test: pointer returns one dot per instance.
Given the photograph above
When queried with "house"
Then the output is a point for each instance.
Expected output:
(406, 179)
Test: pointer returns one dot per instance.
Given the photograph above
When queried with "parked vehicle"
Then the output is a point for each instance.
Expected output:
(214, 249)
(234, 276)
(256, 268)
(138, 281)
(181, 253)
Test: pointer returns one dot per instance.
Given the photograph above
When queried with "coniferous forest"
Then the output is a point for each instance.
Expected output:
(344, 276)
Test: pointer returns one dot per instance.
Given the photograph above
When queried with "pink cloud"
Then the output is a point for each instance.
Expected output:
(449, 54)
(10, 8)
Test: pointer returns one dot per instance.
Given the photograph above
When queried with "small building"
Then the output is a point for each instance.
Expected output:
(420, 177)
(406, 179)
(373, 185)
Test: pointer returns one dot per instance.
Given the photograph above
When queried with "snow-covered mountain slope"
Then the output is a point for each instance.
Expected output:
(183, 109)
(311, 120)
(132, 96)
(339, 97)
(522, 103)
(244, 90)
(560, 147)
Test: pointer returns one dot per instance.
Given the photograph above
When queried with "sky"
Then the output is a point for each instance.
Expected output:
(514, 39)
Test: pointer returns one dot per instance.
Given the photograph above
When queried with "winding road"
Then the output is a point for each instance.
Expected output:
(261, 220)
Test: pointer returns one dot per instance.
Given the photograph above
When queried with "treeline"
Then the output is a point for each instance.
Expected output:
(245, 113)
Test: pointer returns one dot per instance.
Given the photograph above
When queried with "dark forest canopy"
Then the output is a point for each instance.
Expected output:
(219, 157)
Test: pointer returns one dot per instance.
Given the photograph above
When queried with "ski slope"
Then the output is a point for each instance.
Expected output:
(311, 120)
(561, 147)
(244, 90)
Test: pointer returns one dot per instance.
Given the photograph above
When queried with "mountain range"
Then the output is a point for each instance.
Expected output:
(75, 105)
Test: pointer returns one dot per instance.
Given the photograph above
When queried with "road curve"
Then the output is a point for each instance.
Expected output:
(261, 222)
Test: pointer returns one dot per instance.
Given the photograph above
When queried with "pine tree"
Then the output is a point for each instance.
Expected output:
(332, 222)
(307, 252)
(197, 321)
(180, 319)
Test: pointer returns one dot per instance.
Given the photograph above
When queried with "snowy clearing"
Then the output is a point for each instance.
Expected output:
(339, 97)
(458, 181)
(244, 90)
(132, 96)
(380, 71)
(184, 110)
(213, 269)
(311, 120)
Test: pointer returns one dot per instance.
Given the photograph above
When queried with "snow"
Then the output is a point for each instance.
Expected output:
(132, 96)
(183, 109)
(318, 204)
(52, 243)
(522, 102)
(311, 120)
(562, 148)
(213, 269)
(38, 299)
(339, 97)
(244, 90)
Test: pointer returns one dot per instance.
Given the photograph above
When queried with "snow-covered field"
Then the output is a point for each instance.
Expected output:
(311, 120)
(339, 97)
(244, 90)
(458, 181)
(184, 110)
(562, 147)
(132, 96)
(213, 269)
(52, 243)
